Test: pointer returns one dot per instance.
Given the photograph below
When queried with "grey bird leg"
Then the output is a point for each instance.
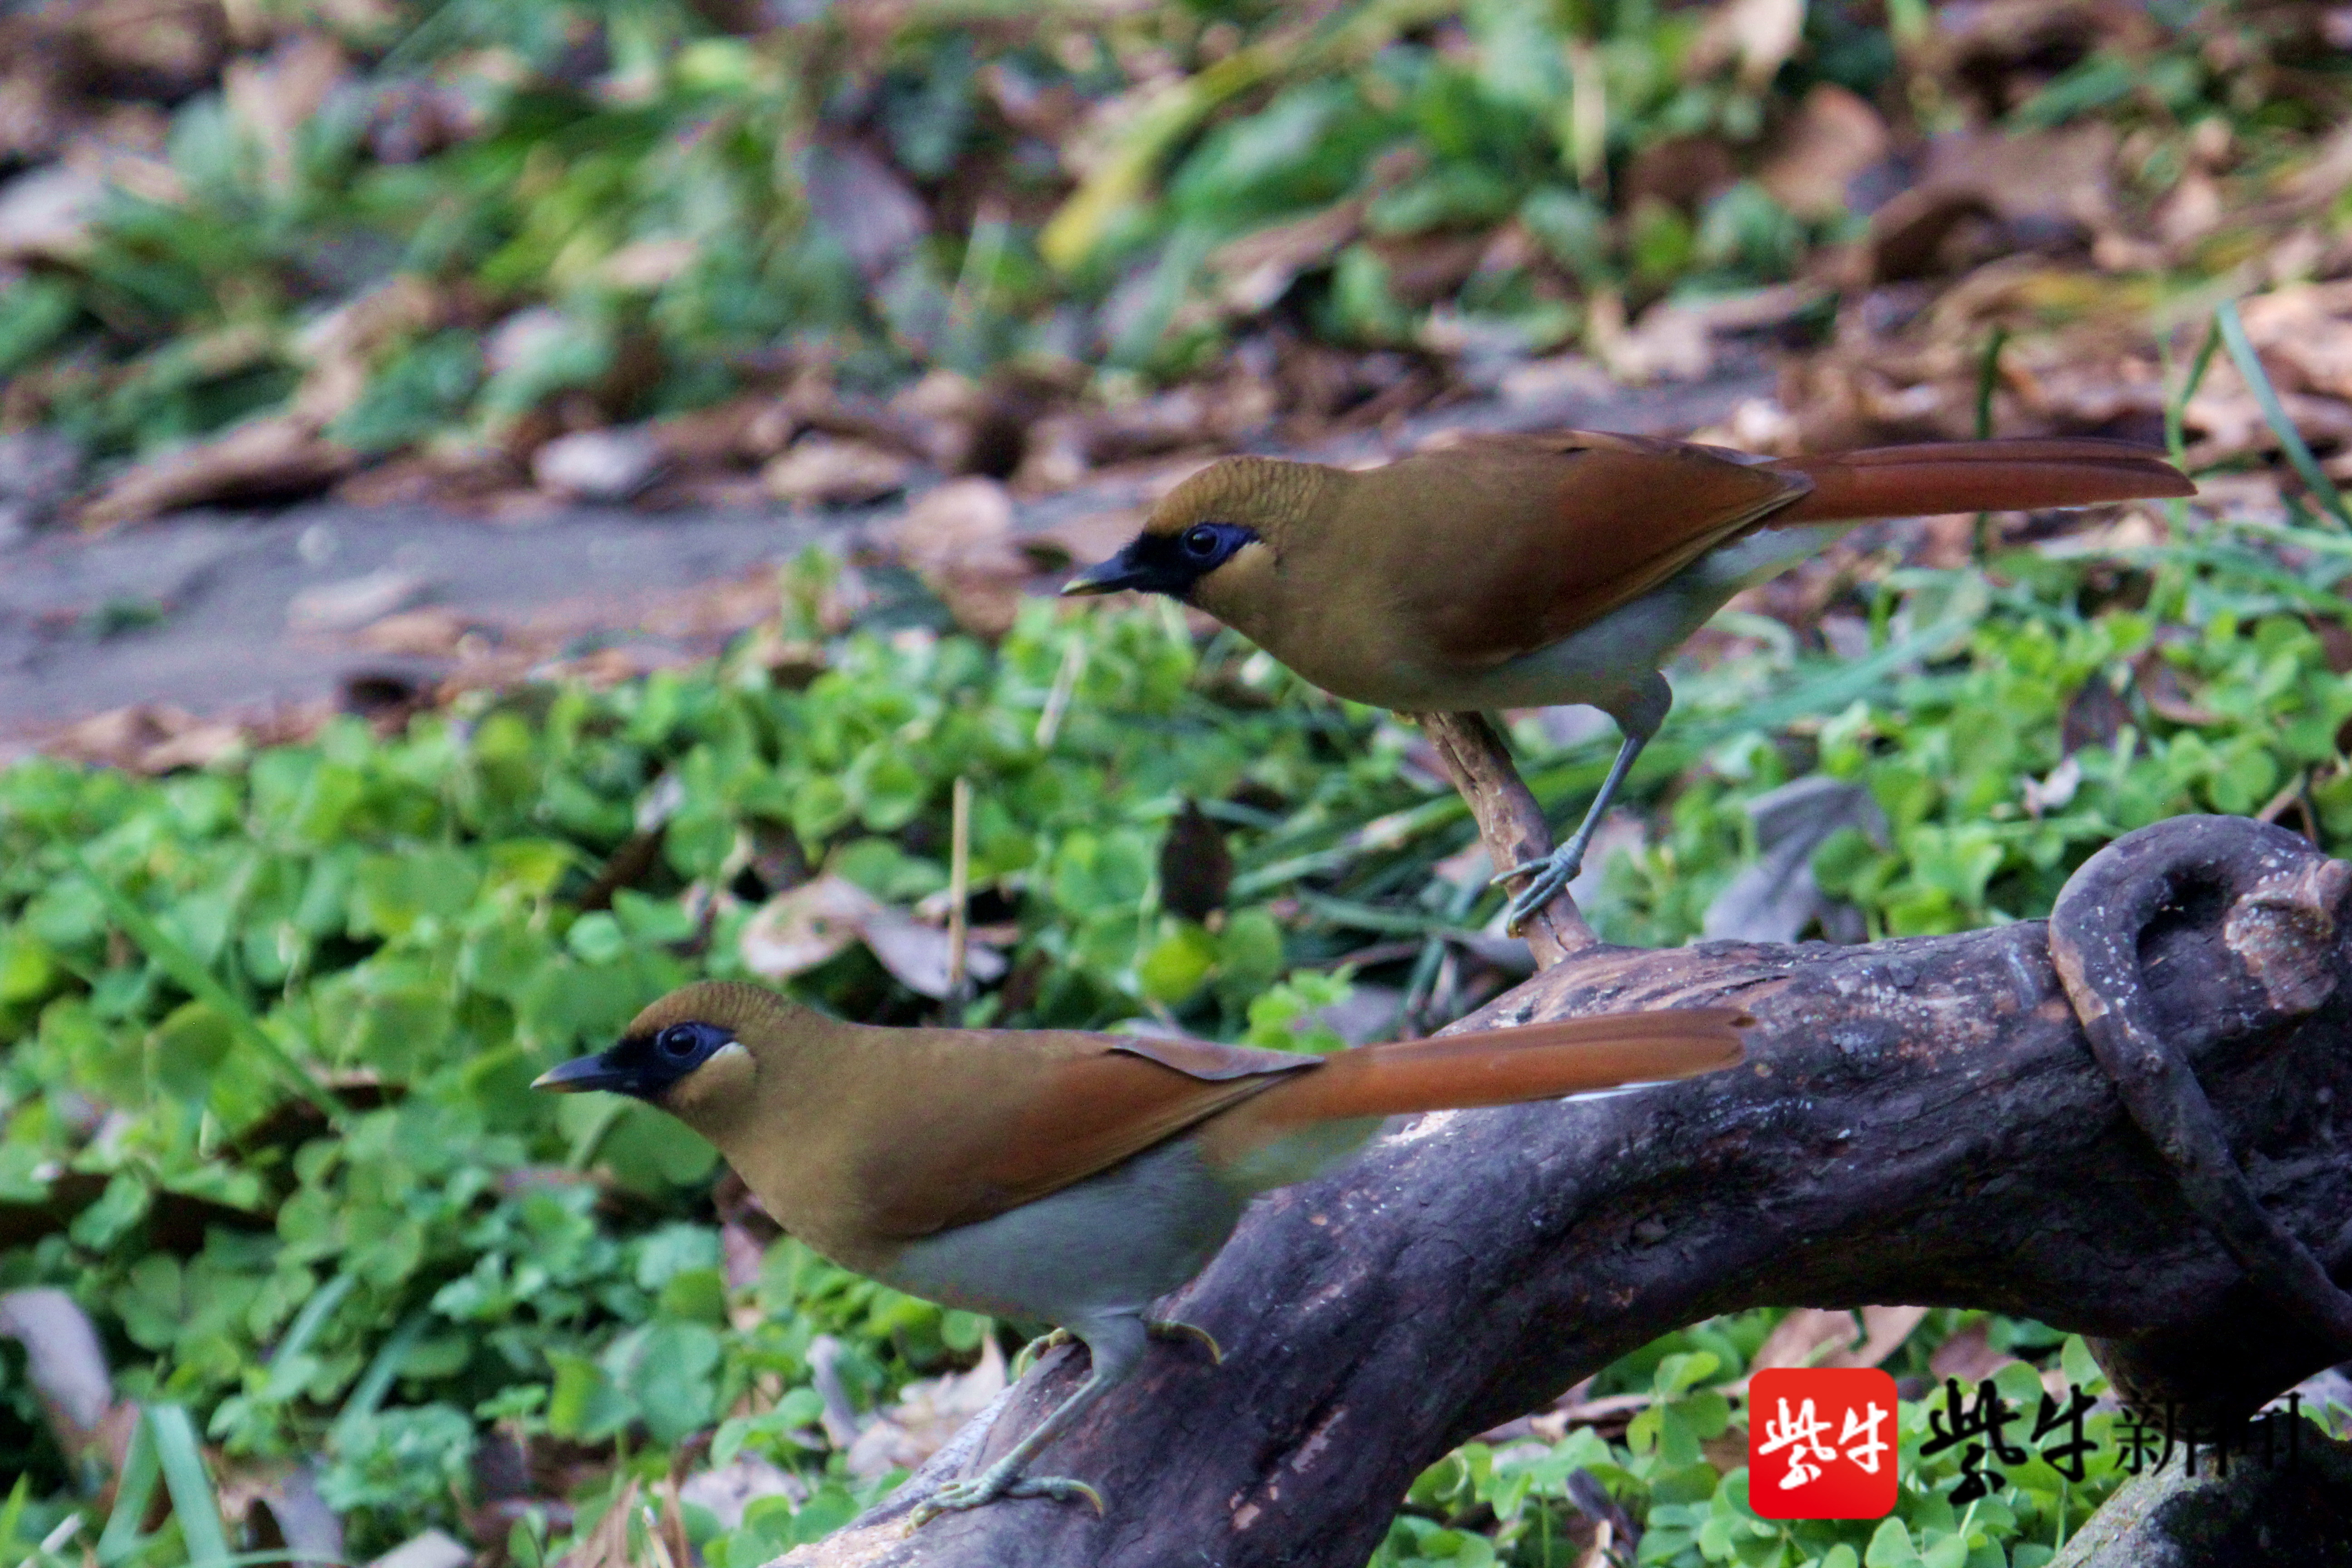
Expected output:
(1640, 719)
(1115, 1344)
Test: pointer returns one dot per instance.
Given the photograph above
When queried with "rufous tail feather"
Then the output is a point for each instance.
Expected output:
(1489, 1067)
(2017, 475)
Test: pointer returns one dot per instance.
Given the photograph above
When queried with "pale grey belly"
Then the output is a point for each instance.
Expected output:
(1604, 664)
(1112, 1243)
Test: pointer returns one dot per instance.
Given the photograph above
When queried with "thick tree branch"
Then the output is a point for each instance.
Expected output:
(2281, 902)
(2254, 1511)
(1918, 1120)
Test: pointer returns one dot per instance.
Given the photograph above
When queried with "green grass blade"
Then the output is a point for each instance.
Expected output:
(1356, 916)
(136, 1489)
(2176, 407)
(1383, 832)
(2250, 365)
(13, 1515)
(182, 1462)
(1989, 380)
(376, 1381)
(1840, 683)
(199, 981)
(313, 1317)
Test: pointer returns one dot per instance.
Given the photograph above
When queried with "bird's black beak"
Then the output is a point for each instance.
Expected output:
(582, 1074)
(1121, 571)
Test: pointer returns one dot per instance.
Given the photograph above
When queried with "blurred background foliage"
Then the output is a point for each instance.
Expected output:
(410, 222)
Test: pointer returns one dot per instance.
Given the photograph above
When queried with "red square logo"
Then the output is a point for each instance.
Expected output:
(1821, 1442)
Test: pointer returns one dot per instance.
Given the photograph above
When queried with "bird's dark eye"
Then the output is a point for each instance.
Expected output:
(679, 1040)
(1201, 541)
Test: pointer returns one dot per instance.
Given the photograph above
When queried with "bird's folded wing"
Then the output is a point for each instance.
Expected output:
(1064, 1107)
(1564, 527)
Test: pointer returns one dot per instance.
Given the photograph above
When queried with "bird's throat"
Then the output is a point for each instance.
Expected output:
(717, 1098)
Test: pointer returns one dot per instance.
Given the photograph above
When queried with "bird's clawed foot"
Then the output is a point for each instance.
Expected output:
(1553, 873)
(1170, 1329)
(961, 1496)
(1037, 1347)
(1158, 1328)
(1114, 1358)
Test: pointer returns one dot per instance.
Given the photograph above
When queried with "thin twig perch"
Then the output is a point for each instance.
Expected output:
(1510, 822)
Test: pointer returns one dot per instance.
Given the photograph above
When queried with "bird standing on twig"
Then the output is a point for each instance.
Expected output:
(1064, 1177)
(1529, 571)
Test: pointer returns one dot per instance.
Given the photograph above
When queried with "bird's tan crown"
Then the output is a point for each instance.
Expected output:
(752, 1014)
(1266, 495)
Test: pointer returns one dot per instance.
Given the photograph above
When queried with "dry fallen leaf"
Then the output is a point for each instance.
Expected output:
(2194, 208)
(38, 97)
(1196, 869)
(63, 1361)
(958, 539)
(606, 465)
(1759, 34)
(808, 925)
(864, 204)
(341, 345)
(44, 215)
(277, 456)
(942, 412)
(2055, 790)
(1835, 135)
(1777, 898)
(155, 738)
(1969, 1357)
(1570, 378)
(2308, 328)
(1669, 344)
(916, 954)
(430, 632)
(1814, 1336)
(2168, 696)
(1081, 540)
(820, 470)
(646, 263)
(1424, 269)
(1251, 273)
(434, 1549)
(182, 41)
(278, 1509)
(728, 1490)
(805, 926)
(352, 603)
(928, 1413)
(273, 98)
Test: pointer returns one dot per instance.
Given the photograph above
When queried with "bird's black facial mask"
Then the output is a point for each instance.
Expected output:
(1167, 563)
(646, 1065)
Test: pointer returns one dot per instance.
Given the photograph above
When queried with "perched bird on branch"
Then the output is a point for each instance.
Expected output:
(1064, 1177)
(1529, 571)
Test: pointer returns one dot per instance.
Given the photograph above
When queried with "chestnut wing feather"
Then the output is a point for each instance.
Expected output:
(1066, 1107)
(1543, 535)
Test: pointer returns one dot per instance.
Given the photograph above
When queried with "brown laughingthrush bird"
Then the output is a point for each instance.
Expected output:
(1066, 1177)
(1529, 571)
